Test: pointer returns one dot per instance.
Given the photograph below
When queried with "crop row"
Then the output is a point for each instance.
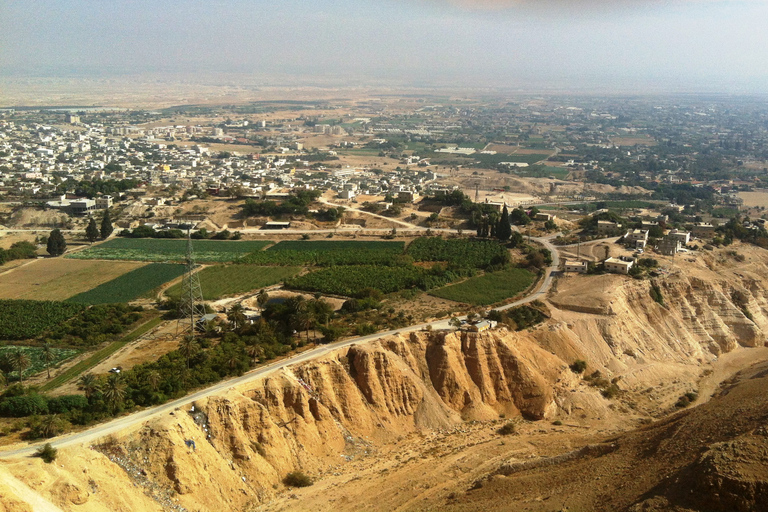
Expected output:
(131, 285)
(339, 245)
(489, 288)
(154, 249)
(459, 252)
(326, 258)
(357, 280)
(24, 319)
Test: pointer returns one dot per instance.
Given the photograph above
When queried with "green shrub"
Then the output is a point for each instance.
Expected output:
(656, 294)
(578, 366)
(297, 479)
(27, 405)
(66, 403)
(557, 423)
(507, 429)
(47, 453)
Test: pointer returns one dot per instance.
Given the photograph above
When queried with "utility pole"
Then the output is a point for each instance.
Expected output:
(191, 303)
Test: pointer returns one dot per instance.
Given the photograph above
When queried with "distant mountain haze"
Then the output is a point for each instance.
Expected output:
(673, 45)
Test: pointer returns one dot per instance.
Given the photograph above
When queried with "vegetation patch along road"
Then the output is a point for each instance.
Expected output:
(489, 288)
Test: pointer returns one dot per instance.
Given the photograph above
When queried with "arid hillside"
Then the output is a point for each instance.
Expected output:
(413, 421)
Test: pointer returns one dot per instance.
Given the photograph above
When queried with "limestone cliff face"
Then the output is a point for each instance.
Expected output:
(316, 415)
(627, 333)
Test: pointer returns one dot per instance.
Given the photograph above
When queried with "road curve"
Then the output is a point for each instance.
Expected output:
(118, 424)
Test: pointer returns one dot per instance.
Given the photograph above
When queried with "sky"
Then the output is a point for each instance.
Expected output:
(675, 45)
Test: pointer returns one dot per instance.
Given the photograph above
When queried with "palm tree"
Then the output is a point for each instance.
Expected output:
(51, 425)
(89, 383)
(115, 390)
(153, 379)
(188, 346)
(254, 351)
(236, 316)
(21, 362)
(48, 357)
(3, 379)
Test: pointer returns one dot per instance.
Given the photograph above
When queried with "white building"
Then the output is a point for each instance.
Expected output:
(617, 266)
(576, 266)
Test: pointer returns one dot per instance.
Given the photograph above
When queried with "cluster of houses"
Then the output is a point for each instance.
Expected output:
(36, 159)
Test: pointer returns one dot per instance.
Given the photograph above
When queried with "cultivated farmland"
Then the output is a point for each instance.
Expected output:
(59, 278)
(222, 280)
(24, 319)
(357, 280)
(160, 249)
(489, 288)
(131, 285)
(328, 253)
(459, 252)
(36, 358)
(338, 245)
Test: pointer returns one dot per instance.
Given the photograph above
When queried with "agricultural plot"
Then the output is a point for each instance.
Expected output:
(25, 319)
(340, 245)
(489, 288)
(159, 249)
(356, 280)
(131, 285)
(36, 358)
(329, 253)
(223, 280)
(459, 252)
(59, 278)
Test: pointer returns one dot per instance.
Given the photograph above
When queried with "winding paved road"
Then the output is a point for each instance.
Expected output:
(135, 419)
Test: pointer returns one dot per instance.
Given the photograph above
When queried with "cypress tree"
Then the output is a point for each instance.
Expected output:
(106, 225)
(92, 232)
(504, 228)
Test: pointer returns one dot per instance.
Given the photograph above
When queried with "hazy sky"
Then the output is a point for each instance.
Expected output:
(714, 45)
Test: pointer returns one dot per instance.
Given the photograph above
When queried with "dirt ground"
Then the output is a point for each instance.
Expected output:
(755, 199)
(59, 278)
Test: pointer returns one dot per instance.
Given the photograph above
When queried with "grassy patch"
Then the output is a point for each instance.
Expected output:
(99, 356)
(221, 280)
(489, 288)
(154, 249)
(131, 285)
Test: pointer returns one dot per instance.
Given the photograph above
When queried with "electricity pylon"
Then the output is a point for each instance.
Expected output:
(191, 303)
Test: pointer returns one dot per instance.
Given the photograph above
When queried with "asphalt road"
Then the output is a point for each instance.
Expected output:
(104, 429)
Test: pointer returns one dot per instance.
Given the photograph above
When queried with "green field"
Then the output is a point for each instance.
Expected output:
(24, 319)
(222, 280)
(357, 280)
(328, 253)
(489, 288)
(131, 285)
(159, 249)
(340, 245)
(35, 354)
